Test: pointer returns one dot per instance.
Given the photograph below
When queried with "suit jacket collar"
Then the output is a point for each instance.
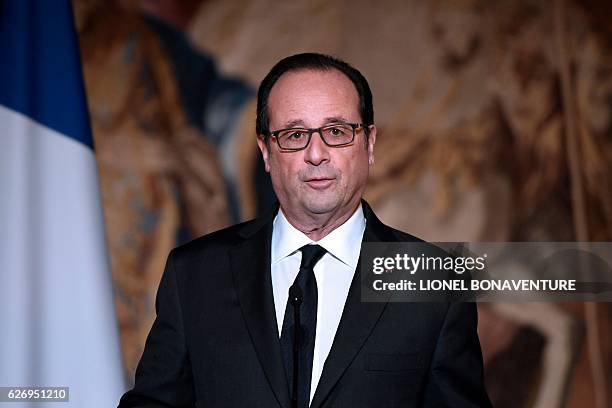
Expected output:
(378, 232)
(250, 263)
(358, 318)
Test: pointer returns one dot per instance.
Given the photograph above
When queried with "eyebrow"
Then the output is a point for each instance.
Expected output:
(299, 123)
(336, 119)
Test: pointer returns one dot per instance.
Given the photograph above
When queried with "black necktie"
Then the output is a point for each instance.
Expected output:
(308, 321)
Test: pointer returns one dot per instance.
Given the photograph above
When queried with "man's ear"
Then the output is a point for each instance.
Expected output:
(371, 143)
(265, 151)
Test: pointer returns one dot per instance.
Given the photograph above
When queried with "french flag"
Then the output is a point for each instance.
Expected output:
(57, 318)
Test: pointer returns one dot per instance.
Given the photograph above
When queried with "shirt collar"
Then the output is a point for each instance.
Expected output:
(344, 243)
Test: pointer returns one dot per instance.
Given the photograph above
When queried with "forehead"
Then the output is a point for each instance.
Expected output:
(312, 96)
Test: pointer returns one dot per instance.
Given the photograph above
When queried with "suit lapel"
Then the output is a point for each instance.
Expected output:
(250, 263)
(358, 318)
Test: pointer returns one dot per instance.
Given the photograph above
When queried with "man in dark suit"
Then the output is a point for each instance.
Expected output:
(268, 313)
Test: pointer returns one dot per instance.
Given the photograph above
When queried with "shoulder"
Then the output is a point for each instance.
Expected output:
(218, 241)
(401, 236)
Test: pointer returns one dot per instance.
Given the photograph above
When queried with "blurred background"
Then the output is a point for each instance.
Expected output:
(495, 124)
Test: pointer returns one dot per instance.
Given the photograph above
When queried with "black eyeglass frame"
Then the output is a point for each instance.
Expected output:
(319, 130)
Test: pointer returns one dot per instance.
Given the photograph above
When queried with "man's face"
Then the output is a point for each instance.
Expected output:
(319, 179)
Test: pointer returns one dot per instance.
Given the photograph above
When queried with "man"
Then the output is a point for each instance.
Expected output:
(268, 313)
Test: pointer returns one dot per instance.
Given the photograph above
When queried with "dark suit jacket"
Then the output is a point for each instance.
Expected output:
(215, 340)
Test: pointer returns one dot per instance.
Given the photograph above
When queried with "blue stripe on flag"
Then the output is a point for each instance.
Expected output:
(39, 60)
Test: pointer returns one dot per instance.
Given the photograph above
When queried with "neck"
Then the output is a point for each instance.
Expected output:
(317, 226)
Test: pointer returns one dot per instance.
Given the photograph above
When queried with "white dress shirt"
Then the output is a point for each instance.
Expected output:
(334, 273)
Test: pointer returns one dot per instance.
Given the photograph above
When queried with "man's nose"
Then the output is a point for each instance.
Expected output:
(317, 151)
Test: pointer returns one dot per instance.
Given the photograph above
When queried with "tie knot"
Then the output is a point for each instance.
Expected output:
(311, 255)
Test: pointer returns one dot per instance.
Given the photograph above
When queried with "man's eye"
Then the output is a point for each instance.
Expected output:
(296, 135)
(336, 131)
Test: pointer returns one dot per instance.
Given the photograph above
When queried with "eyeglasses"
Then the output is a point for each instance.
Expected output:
(334, 135)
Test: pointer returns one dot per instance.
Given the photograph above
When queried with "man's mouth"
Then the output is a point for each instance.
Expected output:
(319, 183)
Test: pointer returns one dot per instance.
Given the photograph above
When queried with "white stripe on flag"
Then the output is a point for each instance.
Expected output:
(57, 319)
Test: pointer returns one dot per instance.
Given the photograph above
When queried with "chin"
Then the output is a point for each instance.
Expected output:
(321, 206)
